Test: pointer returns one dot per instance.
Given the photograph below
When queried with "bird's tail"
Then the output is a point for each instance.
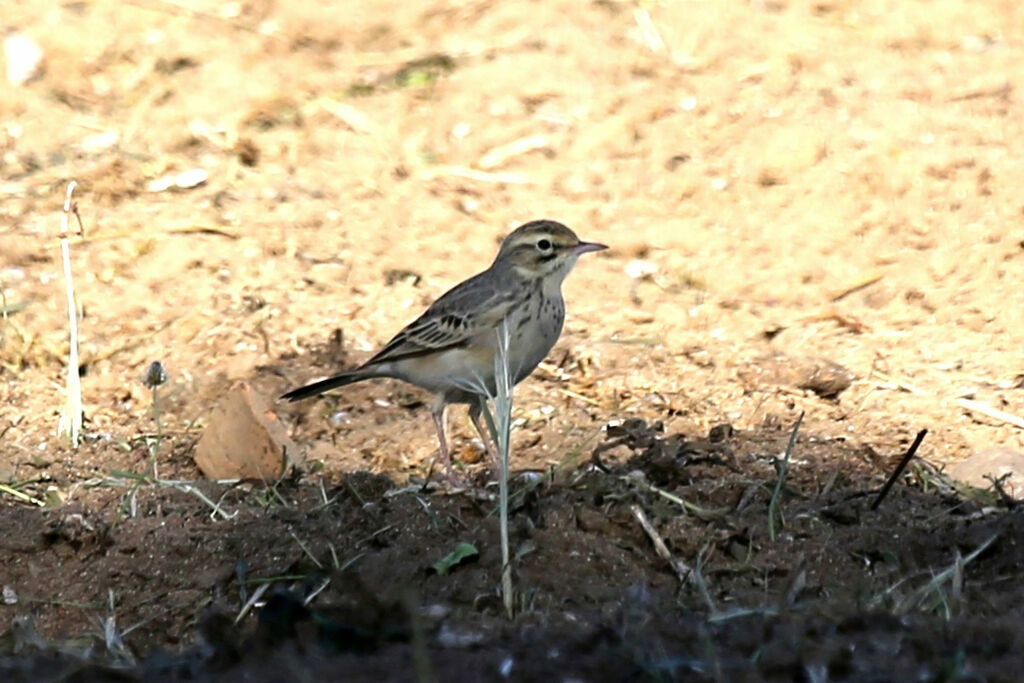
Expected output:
(333, 382)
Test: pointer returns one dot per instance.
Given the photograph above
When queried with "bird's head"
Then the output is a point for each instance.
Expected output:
(543, 249)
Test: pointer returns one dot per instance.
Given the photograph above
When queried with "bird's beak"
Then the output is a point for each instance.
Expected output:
(584, 247)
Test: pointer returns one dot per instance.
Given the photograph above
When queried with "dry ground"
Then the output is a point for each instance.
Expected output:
(823, 180)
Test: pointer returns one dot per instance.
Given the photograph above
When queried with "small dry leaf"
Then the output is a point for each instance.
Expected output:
(244, 440)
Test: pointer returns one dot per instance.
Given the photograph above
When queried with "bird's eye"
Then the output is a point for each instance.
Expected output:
(544, 245)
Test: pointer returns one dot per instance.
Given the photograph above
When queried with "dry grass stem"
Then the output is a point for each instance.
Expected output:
(988, 411)
(475, 174)
(907, 457)
(857, 286)
(71, 418)
(499, 155)
(20, 495)
(683, 572)
(950, 578)
(783, 467)
(253, 599)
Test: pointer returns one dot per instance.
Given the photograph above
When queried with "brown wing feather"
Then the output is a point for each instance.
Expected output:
(469, 309)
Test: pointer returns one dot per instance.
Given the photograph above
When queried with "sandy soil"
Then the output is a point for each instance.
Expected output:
(786, 187)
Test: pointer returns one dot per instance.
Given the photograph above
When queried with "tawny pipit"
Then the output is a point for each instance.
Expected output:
(450, 349)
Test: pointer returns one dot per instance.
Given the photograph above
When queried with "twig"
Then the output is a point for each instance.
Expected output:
(306, 550)
(899, 469)
(497, 156)
(844, 319)
(71, 419)
(21, 496)
(119, 478)
(698, 578)
(186, 487)
(952, 572)
(999, 91)
(783, 465)
(253, 599)
(356, 120)
(683, 572)
(692, 508)
(650, 32)
(997, 484)
(109, 235)
(865, 282)
(988, 411)
(478, 175)
(579, 397)
(900, 384)
(317, 591)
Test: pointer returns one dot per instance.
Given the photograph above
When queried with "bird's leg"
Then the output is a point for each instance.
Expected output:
(475, 410)
(437, 412)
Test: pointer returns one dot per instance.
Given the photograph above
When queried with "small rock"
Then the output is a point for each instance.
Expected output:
(248, 152)
(640, 317)
(639, 269)
(244, 440)
(185, 180)
(721, 432)
(824, 377)
(981, 468)
(24, 58)
(449, 636)
(100, 142)
(675, 161)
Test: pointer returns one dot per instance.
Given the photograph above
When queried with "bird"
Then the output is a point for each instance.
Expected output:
(450, 349)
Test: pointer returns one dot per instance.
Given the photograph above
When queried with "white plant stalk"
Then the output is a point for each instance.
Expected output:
(71, 418)
(503, 388)
(499, 424)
